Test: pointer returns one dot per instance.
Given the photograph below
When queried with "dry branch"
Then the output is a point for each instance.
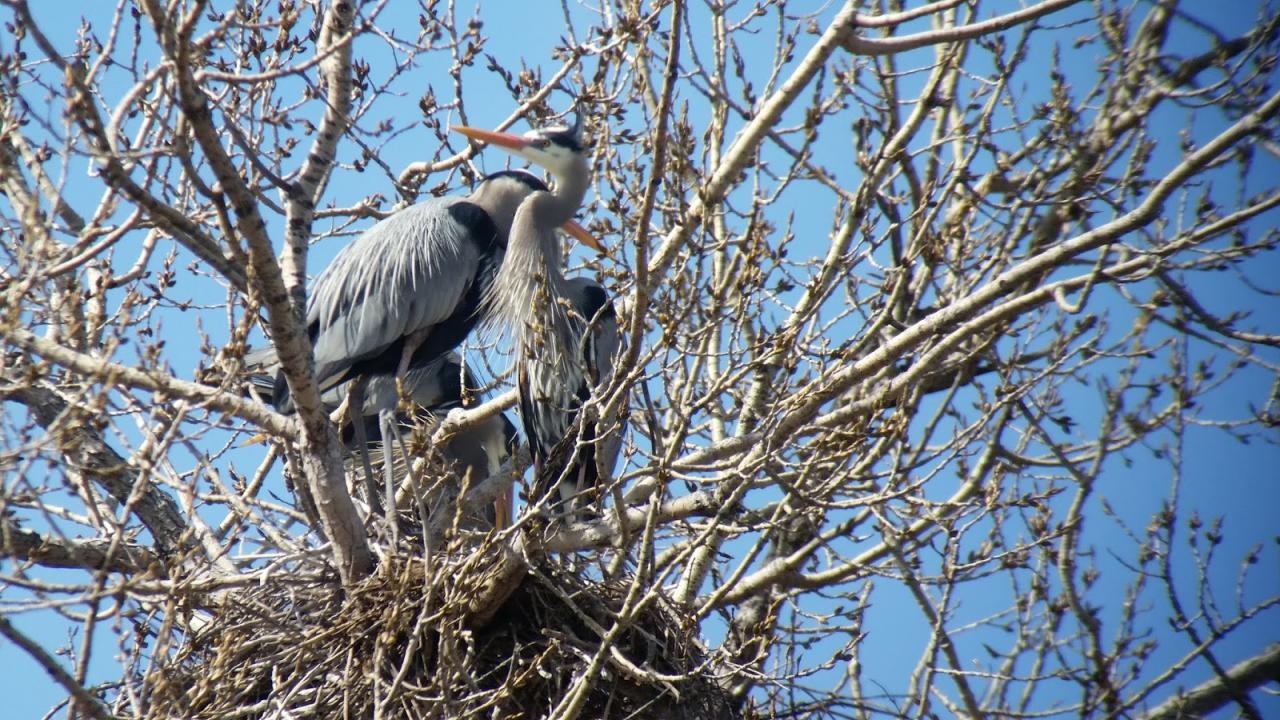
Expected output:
(103, 555)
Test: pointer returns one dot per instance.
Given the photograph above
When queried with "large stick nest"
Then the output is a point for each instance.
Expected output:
(416, 642)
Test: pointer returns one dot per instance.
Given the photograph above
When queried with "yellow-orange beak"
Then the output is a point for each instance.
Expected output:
(501, 139)
(580, 234)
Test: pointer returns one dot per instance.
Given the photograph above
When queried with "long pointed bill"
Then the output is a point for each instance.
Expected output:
(255, 440)
(505, 140)
(580, 234)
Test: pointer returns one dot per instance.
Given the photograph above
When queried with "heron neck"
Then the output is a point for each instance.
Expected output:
(533, 267)
(531, 280)
(566, 197)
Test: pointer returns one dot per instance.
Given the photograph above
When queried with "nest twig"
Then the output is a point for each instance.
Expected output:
(449, 640)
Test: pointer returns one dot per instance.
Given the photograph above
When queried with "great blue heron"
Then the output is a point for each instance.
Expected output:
(410, 289)
(564, 330)
(412, 284)
(431, 388)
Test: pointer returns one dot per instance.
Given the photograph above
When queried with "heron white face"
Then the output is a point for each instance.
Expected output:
(556, 149)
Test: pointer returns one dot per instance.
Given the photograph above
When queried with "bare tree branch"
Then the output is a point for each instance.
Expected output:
(84, 701)
(49, 551)
(933, 311)
(1219, 692)
(87, 451)
(860, 45)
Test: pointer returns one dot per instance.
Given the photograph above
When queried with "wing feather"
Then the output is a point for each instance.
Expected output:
(407, 273)
(603, 340)
(552, 395)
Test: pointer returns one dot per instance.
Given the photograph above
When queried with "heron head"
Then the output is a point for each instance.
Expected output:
(559, 148)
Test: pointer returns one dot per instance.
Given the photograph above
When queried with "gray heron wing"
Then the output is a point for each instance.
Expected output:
(407, 273)
(262, 364)
(430, 382)
(552, 400)
(602, 340)
(263, 359)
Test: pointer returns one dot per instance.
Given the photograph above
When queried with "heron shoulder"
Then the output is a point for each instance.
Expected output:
(590, 298)
(478, 226)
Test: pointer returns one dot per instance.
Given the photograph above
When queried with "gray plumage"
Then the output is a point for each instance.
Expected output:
(425, 383)
(574, 448)
(435, 388)
(411, 284)
(405, 274)
(430, 384)
(564, 331)
(404, 293)
(400, 296)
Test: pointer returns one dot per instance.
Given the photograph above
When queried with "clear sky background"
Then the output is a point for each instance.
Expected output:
(1222, 476)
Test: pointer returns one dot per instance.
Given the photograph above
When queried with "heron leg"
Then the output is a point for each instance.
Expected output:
(503, 508)
(355, 401)
(411, 345)
(340, 412)
(391, 433)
